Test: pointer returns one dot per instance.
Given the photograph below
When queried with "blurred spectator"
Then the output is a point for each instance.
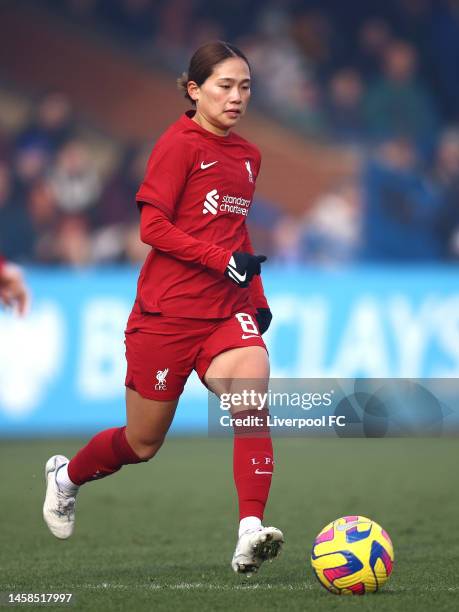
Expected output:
(306, 109)
(283, 82)
(332, 228)
(374, 37)
(312, 32)
(31, 162)
(414, 22)
(446, 176)
(287, 241)
(401, 207)
(397, 104)
(119, 243)
(43, 217)
(107, 244)
(447, 158)
(117, 201)
(51, 127)
(278, 70)
(13, 240)
(72, 242)
(264, 216)
(30, 224)
(74, 180)
(345, 107)
(283, 76)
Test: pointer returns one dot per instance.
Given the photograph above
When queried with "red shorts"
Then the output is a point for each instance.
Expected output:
(162, 351)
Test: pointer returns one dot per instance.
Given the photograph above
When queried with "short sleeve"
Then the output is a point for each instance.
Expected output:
(167, 171)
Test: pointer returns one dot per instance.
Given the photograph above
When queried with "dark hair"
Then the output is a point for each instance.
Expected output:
(204, 61)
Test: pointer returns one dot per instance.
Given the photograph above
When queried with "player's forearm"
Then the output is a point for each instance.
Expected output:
(257, 293)
(157, 231)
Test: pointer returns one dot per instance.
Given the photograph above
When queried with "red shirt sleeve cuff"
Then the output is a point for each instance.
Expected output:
(142, 200)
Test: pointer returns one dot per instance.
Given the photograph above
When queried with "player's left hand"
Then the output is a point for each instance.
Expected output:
(264, 317)
(13, 290)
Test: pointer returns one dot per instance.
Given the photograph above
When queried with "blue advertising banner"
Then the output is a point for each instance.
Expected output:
(62, 368)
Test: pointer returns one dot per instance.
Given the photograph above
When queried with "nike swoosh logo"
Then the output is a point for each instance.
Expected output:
(257, 471)
(204, 166)
(250, 336)
(240, 277)
(349, 525)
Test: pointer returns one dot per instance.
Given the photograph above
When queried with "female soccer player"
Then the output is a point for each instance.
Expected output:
(199, 305)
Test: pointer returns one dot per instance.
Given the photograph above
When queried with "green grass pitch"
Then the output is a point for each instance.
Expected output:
(160, 536)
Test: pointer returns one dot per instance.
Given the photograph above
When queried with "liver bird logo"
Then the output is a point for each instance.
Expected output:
(161, 378)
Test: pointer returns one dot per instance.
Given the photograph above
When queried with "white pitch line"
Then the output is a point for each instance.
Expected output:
(190, 586)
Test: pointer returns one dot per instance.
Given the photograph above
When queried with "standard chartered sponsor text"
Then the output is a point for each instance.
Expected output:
(235, 204)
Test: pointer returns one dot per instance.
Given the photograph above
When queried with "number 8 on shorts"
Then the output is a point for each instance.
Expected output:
(247, 323)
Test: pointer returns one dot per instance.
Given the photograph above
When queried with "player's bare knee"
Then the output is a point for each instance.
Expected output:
(147, 450)
(237, 367)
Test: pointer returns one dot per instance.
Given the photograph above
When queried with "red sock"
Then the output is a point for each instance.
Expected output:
(253, 465)
(103, 455)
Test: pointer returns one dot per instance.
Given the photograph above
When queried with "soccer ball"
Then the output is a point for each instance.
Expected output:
(352, 556)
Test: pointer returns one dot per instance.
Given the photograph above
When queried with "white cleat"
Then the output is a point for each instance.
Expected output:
(59, 508)
(256, 546)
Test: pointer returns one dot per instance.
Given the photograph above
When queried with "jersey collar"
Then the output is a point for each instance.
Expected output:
(187, 121)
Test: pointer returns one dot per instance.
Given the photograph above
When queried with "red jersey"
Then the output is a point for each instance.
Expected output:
(200, 187)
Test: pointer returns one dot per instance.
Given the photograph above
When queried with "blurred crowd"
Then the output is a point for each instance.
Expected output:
(395, 210)
(380, 78)
(56, 206)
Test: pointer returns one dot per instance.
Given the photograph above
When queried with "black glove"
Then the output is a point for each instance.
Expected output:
(263, 317)
(242, 267)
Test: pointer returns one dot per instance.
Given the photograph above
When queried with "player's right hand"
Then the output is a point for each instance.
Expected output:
(13, 290)
(242, 267)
